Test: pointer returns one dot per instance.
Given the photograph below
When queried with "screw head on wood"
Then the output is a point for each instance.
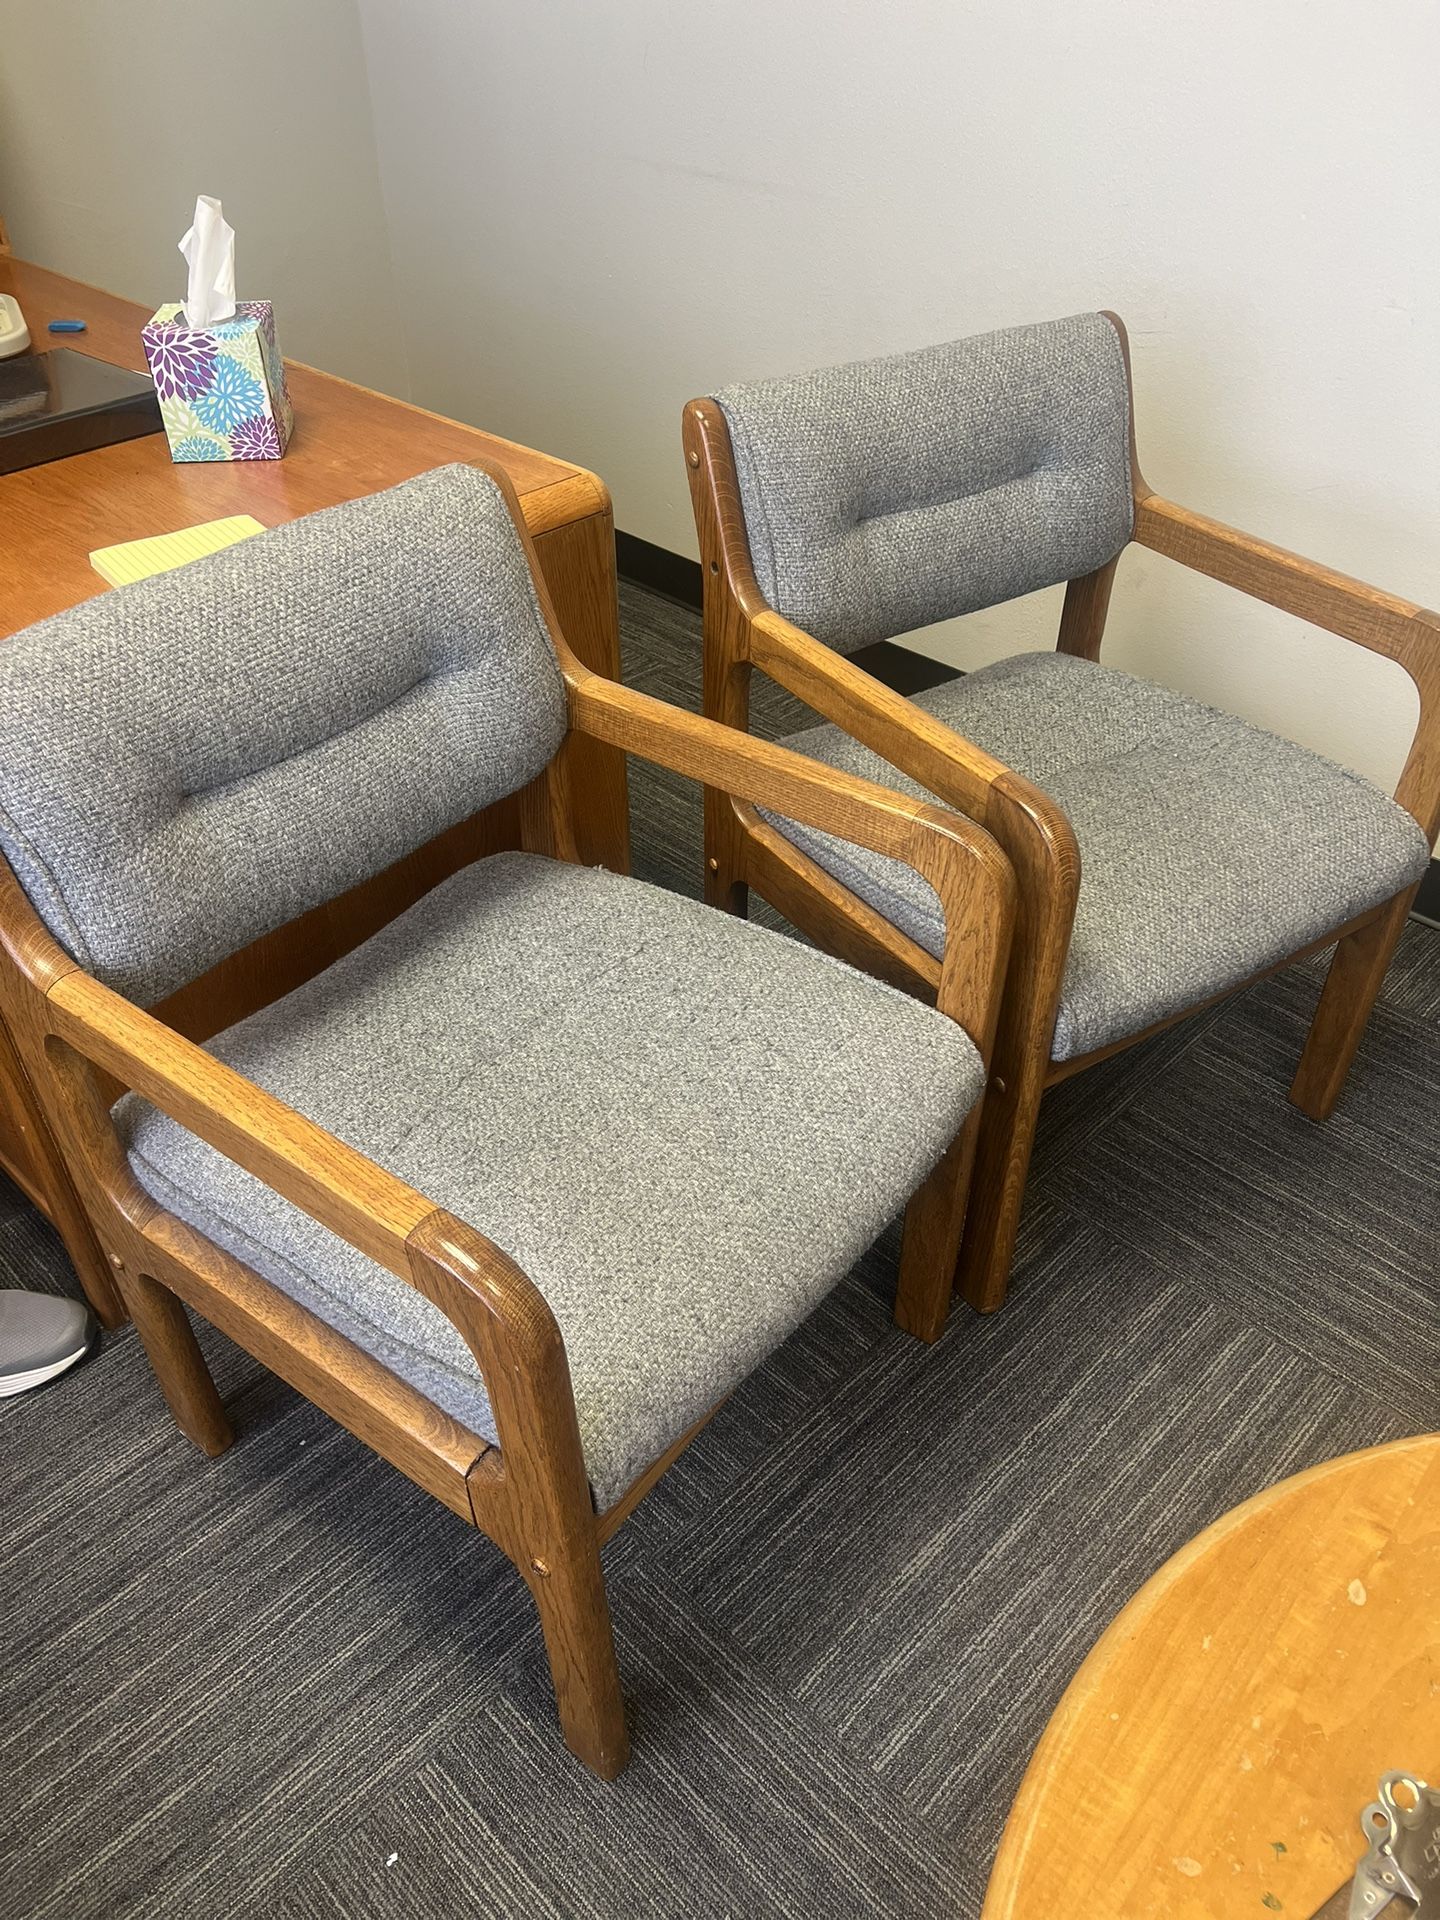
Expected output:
(540, 1567)
(714, 865)
(693, 457)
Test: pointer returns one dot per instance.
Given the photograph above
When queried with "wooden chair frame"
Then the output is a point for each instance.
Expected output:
(742, 631)
(82, 1044)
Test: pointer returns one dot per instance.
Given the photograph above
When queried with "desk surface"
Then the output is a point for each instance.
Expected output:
(1213, 1754)
(347, 441)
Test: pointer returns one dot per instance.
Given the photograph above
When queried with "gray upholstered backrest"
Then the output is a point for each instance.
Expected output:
(887, 494)
(191, 761)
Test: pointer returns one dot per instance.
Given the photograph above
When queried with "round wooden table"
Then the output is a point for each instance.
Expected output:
(1213, 1754)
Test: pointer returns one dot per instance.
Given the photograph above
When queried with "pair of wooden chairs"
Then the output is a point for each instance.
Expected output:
(522, 1185)
(1166, 854)
(526, 1181)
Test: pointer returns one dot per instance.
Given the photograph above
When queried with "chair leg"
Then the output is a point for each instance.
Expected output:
(569, 1592)
(179, 1366)
(1356, 975)
(930, 1241)
(997, 1186)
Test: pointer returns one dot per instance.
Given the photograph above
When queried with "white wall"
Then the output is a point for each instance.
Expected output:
(598, 210)
(115, 114)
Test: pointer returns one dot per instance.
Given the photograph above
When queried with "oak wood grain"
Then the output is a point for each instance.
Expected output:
(177, 1363)
(1214, 1752)
(1066, 1069)
(836, 919)
(384, 1412)
(576, 562)
(1384, 623)
(549, 1522)
(31, 1156)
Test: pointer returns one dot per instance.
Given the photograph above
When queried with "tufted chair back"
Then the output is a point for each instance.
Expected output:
(191, 761)
(887, 494)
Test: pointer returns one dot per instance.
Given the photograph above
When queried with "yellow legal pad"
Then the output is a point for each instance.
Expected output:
(138, 559)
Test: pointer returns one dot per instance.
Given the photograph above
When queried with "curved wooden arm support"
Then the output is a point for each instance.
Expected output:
(1370, 617)
(530, 1494)
(496, 1309)
(963, 864)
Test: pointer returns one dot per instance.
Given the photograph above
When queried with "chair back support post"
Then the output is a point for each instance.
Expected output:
(1418, 789)
(547, 810)
(1087, 598)
(729, 596)
(1082, 616)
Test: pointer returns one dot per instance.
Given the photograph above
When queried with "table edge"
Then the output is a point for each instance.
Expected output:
(1020, 1831)
(574, 494)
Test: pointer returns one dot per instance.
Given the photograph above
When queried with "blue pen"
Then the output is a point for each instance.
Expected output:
(67, 326)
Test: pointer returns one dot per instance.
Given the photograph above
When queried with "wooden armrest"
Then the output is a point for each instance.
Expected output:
(1383, 622)
(950, 766)
(966, 868)
(344, 1190)
(337, 1186)
(1367, 615)
(1032, 829)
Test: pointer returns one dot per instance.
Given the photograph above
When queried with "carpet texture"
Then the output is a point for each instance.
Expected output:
(287, 1683)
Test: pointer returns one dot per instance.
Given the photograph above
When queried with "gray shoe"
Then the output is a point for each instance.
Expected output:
(41, 1334)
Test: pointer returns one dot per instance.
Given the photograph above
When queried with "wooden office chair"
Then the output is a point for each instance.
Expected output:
(860, 502)
(524, 1184)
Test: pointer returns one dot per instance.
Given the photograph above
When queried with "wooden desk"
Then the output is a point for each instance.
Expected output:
(348, 441)
(1213, 1754)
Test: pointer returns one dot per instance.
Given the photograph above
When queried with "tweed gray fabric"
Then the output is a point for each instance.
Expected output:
(1209, 849)
(191, 761)
(684, 1128)
(887, 494)
(854, 1601)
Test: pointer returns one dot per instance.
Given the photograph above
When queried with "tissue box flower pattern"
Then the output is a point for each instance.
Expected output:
(222, 388)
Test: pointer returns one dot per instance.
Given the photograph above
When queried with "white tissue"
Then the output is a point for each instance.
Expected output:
(209, 250)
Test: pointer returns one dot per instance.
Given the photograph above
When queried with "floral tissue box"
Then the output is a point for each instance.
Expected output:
(222, 388)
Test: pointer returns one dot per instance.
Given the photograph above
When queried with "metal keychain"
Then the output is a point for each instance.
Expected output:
(1403, 1861)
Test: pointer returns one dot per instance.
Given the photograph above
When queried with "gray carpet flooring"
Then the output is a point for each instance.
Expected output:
(287, 1683)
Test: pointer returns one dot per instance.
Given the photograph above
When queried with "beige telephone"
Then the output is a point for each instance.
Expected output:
(14, 334)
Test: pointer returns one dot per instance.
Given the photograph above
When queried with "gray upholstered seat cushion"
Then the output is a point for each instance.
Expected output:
(886, 494)
(1209, 849)
(684, 1128)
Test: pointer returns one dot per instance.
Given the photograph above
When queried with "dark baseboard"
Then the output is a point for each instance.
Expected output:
(901, 669)
(657, 568)
(897, 667)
